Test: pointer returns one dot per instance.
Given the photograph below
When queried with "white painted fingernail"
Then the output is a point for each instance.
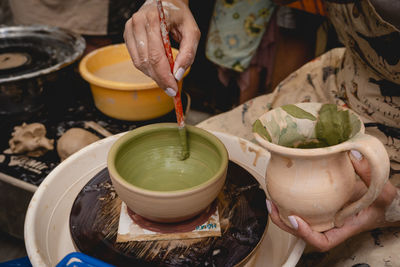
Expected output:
(268, 205)
(179, 74)
(293, 222)
(171, 92)
(357, 155)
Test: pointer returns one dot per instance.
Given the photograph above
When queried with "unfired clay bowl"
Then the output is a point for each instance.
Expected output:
(148, 175)
(310, 173)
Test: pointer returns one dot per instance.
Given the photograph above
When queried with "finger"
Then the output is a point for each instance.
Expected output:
(329, 239)
(157, 58)
(130, 41)
(187, 50)
(321, 241)
(276, 219)
(316, 239)
(361, 166)
(139, 34)
(359, 190)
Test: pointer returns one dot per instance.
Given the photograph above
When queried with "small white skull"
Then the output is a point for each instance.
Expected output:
(30, 139)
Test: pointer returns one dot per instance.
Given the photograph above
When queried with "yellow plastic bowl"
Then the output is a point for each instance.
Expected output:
(133, 101)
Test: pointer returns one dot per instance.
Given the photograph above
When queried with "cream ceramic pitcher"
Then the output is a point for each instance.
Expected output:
(310, 173)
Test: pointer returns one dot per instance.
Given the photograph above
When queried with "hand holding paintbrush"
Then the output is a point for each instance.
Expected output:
(147, 40)
(177, 98)
(145, 45)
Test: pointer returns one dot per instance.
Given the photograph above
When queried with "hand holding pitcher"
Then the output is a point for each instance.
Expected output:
(310, 174)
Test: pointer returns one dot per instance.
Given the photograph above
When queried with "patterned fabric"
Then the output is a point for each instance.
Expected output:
(363, 76)
(236, 30)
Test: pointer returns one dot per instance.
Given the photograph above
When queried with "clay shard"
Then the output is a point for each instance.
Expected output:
(73, 140)
(30, 139)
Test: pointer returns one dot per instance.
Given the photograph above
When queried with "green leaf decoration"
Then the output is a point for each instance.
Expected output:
(333, 126)
(297, 112)
(259, 128)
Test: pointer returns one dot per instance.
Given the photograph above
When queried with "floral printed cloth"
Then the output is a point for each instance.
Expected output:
(236, 29)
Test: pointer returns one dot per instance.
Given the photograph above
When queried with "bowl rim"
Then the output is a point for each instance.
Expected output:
(114, 175)
(109, 84)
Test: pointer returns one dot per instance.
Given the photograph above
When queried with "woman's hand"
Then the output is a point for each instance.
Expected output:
(367, 219)
(143, 39)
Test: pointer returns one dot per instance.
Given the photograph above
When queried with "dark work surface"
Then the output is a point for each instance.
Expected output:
(66, 105)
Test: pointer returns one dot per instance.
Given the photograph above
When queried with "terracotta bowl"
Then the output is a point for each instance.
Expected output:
(119, 89)
(149, 177)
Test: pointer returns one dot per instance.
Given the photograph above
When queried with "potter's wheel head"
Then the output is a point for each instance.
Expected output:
(47, 228)
(31, 51)
(243, 217)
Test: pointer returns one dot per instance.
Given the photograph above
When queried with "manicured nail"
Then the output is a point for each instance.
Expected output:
(268, 206)
(179, 74)
(171, 92)
(293, 222)
(357, 155)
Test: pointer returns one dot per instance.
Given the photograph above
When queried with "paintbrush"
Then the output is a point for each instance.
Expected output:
(177, 98)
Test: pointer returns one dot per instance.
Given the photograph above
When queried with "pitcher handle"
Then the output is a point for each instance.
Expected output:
(378, 159)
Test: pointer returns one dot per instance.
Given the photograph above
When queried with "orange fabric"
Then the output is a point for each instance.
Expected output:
(311, 6)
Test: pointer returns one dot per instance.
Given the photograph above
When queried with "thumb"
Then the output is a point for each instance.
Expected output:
(361, 166)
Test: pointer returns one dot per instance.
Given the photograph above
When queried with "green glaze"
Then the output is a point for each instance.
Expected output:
(289, 135)
(151, 160)
(333, 126)
(308, 125)
(183, 138)
(259, 128)
(297, 112)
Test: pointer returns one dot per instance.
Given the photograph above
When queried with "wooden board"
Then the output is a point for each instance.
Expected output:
(243, 218)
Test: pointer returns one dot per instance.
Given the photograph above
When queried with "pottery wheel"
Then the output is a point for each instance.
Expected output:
(17, 59)
(243, 218)
(12, 60)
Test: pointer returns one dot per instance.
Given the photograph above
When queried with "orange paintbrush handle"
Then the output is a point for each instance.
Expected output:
(168, 52)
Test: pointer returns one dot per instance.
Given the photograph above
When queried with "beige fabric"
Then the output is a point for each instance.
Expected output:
(89, 17)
